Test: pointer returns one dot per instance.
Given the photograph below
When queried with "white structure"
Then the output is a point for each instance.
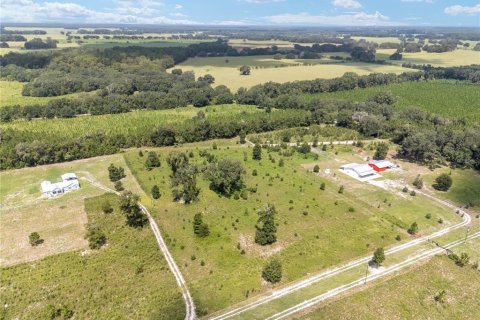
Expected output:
(360, 170)
(69, 182)
(381, 165)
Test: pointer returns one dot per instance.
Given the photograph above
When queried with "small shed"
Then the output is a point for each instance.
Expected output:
(381, 165)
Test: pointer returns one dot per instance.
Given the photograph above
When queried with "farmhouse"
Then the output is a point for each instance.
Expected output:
(360, 170)
(69, 182)
(381, 165)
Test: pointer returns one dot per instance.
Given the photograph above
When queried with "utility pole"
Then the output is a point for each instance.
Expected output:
(366, 274)
(466, 234)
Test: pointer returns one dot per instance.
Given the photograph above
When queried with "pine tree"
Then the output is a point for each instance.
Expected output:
(199, 227)
(152, 161)
(257, 152)
(266, 232)
(155, 192)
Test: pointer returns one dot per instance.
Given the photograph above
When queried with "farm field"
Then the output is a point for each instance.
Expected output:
(228, 74)
(133, 123)
(417, 288)
(316, 229)
(104, 43)
(444, 97)
(60, 221)
(378, 40)
(460, 57)
(11, 94)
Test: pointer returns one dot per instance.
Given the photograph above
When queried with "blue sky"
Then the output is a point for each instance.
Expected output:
(248, 12)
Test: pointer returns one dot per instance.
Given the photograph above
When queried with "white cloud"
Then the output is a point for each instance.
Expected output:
(349, 4)
(127, 11)
(263, 1)
(457, 9)
(425, 1)
(349, 19)
(178, 6)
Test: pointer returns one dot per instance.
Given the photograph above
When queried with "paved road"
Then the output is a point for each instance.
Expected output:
(189, 305)
(332, 272)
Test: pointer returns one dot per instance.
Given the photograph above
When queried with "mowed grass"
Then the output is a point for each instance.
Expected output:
(59, 221)
(459, 57)
(11, 94)
(410, 295)
(316, 229)
(458, 99)
(128, 278)
(229, 75)
(133, 123)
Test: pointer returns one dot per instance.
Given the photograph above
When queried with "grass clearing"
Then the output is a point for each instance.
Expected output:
(228, 74)
(127, 278)
(459, 57)
(328, 234)
(59, 221)
(11, 94)
(417, 288)
(451, 98)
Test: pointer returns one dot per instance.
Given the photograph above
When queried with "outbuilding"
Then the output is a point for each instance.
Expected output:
(361, 170)
(381, 165)
(69, 182)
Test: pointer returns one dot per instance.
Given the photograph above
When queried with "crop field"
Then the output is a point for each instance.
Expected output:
(410, 295)
(459, 57)
(444, 97)
(379, 40)
(246, 43)
(132, 122)
(127, 278)
(228, 74)
(11, 94)
(316, 229)
(103, 43)
(60, 221)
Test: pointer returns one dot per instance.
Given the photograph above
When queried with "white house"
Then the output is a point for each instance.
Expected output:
(69, 182)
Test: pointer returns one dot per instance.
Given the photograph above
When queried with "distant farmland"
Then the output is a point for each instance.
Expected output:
(445, 97)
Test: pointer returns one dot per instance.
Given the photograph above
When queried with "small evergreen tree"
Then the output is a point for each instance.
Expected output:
(155, 192)
(107, 207)
(118, 185)
(316, 169)
(199, 227)
(381, 151)
(281, 163)
(322, 186)
(115, 173)
(341, 189)
(132, 211)
(272, 271)
(266, 232)
(243, 136)
(96, 238)
(418, 182)
(257, 152)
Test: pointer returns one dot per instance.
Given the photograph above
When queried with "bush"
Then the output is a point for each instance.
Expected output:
(341, 189)
(418, 182)
(381, 151)
(443, 182)
(266, 229)
(272, 271)
(316, 169)
(96, 238)
(257, 152)
(152, 161)
(199, 227)
(322, 186)
(155, 192)
(413, 228)
(107, 207)
(34, 239)
(379, 256)
(115, 173)
(428, 216)
(461, 260)
(118, 186)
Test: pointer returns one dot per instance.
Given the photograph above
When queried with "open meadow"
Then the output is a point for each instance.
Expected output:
(316, 229)
(449, 98)
(459, 57)
(266, 69)
(411, 295)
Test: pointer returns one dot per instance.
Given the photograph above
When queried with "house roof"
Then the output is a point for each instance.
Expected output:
(382, 164)
(360, 169)
(47, 186)
(69, 176)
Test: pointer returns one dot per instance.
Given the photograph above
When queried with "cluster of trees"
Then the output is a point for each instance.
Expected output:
(130, 207)
(37, 43)
(184, 177)
(226, 176)
(200, 228)
(17, 32)
(12, 37)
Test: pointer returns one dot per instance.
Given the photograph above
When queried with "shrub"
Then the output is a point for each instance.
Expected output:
(199, 227)
(405, 189)
(254, 172)
(428, 216)
(316, 169)
(322, 186)
(272, 271)
(155, 192)
(266, 229)
(443, 182)
(115, 173)
(341, 189)
(281, 163)
(257, 152)
(418, 182)
(96, 238)
(152, 161)
(440, 297)
(461, 260)
(118, 185)
(379, 256)
(413, 228)
(381, 151)
(413, 193)
(34, 239)
(107, 207)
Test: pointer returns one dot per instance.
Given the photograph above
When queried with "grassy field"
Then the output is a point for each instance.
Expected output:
(410, 295)
(316, 229)
(446, 59)
(379, 39)
(133, 123)
(444, 97)
(228, 74)
(127, 278)
(103, 43)
(60, 221)
(11, 94)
